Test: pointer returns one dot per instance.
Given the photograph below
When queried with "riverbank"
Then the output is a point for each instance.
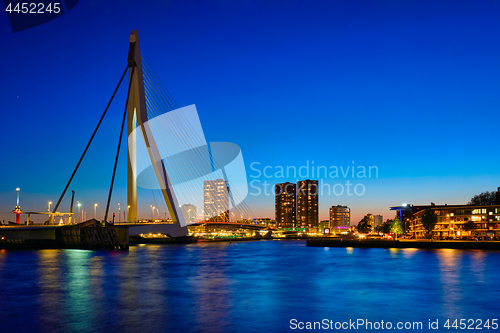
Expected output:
(135, 240)
(402, 244)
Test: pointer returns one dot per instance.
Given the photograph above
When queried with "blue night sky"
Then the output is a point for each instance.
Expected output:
(411, 87)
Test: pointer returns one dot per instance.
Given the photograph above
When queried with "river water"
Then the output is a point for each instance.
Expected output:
(255, 286)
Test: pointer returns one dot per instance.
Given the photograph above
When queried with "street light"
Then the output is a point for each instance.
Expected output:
(152, 211)
(79, 205)
(119, 213)
(18, 189)
(50, 216)
(128, 208)
(95, 211)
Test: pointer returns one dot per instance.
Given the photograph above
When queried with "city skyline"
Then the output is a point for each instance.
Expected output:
(399, 86)
(262, 166)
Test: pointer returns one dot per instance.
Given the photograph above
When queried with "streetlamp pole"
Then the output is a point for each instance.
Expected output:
(95, 211)
(119, 213)
(50, 216)
(79, 205)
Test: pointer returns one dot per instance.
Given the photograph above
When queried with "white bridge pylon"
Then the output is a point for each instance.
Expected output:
(138, 118)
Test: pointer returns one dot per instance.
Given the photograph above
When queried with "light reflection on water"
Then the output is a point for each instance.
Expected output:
(240, 287)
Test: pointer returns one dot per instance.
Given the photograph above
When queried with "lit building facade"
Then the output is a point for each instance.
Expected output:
(224, 230)
(285, 205)
(378, 220)
(340, 216)
(371, 220)
(307, 205)
(216, 200)
(265, 222)
(189, 213)
(459, 221)
(324, 226)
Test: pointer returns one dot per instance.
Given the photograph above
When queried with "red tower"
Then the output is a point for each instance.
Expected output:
(18, 210)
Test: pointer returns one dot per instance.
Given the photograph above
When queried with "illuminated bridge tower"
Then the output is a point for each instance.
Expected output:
(138, 119)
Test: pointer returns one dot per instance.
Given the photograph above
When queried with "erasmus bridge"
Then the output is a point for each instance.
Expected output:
(167, 153)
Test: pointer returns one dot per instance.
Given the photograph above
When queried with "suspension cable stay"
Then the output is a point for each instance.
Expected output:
(90, 141)
(119, 145)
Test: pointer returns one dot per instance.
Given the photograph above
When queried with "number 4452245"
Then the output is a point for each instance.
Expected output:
(34, 8)
(471, 324)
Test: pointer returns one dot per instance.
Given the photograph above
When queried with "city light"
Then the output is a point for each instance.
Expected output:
(79, 205)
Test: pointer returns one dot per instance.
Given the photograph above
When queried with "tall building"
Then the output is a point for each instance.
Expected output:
(371, 220)
(378, 220)
(216, 200)
(189, 212)
(307, 205)
(286, 205)
(340, 216)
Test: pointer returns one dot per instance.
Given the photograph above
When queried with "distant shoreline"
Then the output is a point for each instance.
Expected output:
(404, 244)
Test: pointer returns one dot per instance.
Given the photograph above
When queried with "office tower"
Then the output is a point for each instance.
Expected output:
(216, 200)
(307, 205)
(378, 220)
(189, 212)
(340, 216)
(285, 198)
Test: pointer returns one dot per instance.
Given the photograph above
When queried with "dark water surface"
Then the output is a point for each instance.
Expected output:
(241, 287)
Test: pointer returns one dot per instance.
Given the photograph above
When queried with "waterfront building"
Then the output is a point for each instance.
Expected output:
(216, 200)
(371, 220)
(378, 220)
(212, 230)
(455, 220)
(266, 222)
(405, 213)
(285, 205)
(189, 213)
(340, 216)
(307, 205)
(324, 227)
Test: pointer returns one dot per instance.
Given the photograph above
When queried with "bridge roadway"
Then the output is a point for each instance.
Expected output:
(49, 231)
(39, 231)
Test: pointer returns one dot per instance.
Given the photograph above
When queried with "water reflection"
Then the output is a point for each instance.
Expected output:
(79, 307)
(241, 286)
(50, 295)
(478, 265)
(450, 267)
(409, 253)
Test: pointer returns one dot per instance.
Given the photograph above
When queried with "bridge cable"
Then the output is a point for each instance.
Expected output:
(90, 141)
(119, 143)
